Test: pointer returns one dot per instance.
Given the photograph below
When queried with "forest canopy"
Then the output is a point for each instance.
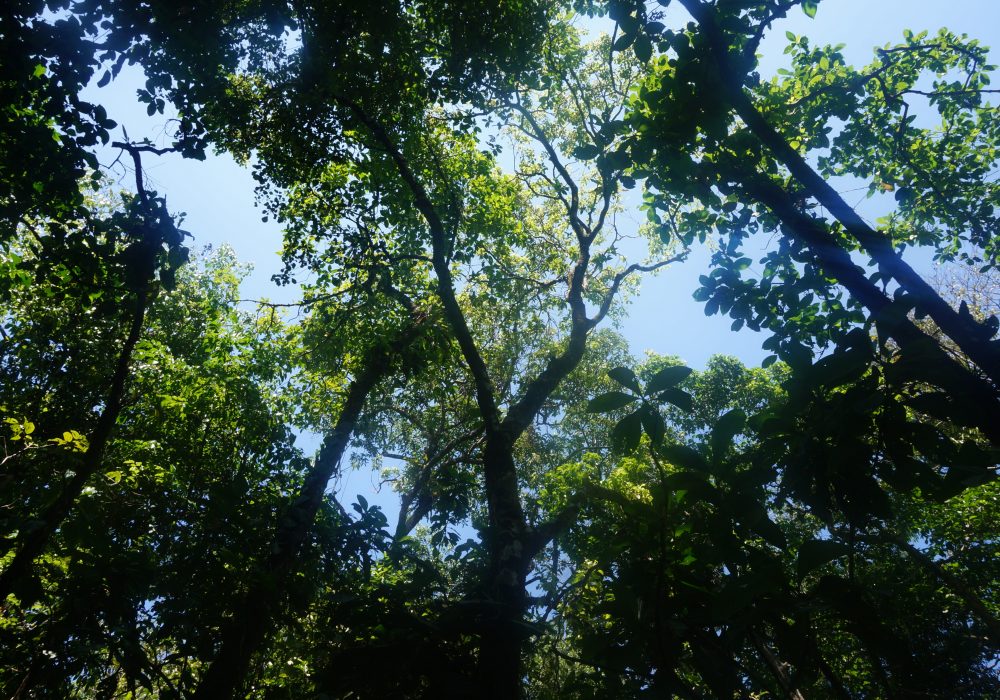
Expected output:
(457, 185)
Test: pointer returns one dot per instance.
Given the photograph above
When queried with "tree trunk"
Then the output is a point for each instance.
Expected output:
(503, 625)
(255, 614)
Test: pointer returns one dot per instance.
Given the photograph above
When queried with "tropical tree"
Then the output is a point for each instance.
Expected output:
(435, 203)
(107, 263)
(159, 535)
(454, 181)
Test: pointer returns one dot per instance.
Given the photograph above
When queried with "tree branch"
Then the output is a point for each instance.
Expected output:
(453, 311)
(620, 277)
(583, 234)
(837, 262)
(966, 333)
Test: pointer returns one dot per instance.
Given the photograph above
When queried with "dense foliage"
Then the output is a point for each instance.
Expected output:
(453, 181)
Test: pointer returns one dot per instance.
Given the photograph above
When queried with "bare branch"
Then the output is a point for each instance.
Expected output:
(621, 276)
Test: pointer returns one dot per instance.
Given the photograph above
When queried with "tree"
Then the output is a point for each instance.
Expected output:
(159, 537)
(452, 198)
(153, 249)
(758, 167)
(573, 522)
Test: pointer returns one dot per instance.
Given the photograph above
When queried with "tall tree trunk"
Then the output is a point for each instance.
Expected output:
(499, 665)
(255, 615)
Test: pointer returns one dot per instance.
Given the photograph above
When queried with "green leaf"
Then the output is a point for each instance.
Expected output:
(625, 377)
(905, 195)
(588, 151)
(694, 484)
(610, 401)
(796, 355)
(842, 367)
(177, 256)
(809, 7)
(643, 48)
(726, 429)
(815, 553)
(168, 278)
(623, 42)
(625, 436)
(680, 399)
(684, 457)
(652, 423)
(667, 377)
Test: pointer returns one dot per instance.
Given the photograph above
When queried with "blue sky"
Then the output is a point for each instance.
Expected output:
(217, 194)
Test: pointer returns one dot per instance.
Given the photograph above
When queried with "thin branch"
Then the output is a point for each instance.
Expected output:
(940, 93)
(780, 11)
(621, 276)
(135, 151)
(573, 207)
(143, 148)
(404, 525)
